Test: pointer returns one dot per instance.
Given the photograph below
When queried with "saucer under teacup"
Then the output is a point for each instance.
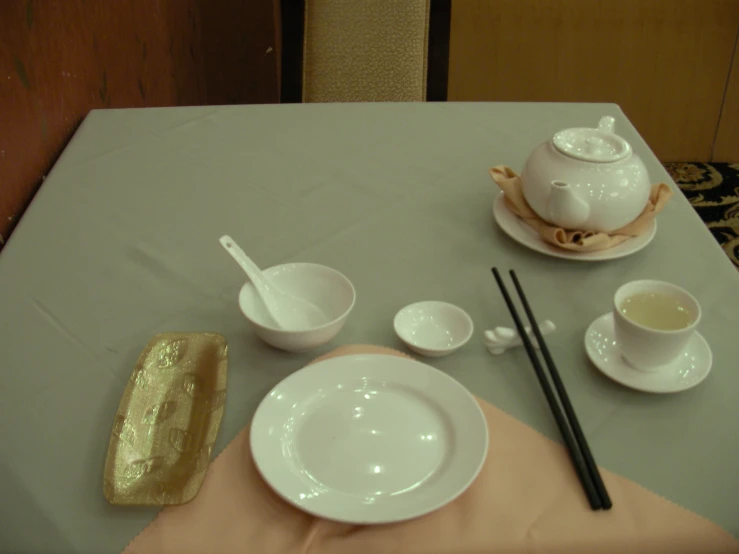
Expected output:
(690, 368)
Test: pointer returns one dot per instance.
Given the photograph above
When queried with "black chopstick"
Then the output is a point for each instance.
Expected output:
(564, 398)
(576, 455)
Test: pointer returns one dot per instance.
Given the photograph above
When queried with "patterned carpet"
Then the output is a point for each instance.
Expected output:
(713, 190)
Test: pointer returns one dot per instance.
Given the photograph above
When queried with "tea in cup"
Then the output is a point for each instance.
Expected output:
(653, 321)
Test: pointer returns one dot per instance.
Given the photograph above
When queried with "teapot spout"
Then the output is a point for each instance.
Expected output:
(565, 208)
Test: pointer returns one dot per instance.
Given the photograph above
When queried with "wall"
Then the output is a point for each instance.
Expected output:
(726, 147)
(240, 50)
(666, 62)
(60, 59)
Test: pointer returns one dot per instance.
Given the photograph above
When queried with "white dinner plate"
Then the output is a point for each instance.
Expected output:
(369, 439)
(688, 370)
(522, 233)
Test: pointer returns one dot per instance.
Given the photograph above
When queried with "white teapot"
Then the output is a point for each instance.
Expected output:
(586, 179)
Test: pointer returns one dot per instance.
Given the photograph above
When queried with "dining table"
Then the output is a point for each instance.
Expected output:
(121, 243)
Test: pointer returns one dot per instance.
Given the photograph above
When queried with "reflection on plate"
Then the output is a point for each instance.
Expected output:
(369, 439)
(687, 371)
(519, 231)
(167, 421)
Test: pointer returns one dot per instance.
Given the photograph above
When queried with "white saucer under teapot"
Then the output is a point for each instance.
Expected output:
(586, 179)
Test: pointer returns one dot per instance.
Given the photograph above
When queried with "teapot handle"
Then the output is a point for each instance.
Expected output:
(607, 124)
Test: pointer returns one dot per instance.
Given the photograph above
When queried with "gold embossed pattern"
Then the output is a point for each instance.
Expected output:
(167, 421)
(374, 51)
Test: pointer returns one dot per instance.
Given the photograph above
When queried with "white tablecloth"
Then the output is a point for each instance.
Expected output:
(122, 242)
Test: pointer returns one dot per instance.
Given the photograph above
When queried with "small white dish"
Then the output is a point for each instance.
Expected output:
(687, 371)
(326, 288)
(369, 439)
(433, 328)
(519, 231)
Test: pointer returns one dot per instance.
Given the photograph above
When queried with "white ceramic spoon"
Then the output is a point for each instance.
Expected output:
(289, 312)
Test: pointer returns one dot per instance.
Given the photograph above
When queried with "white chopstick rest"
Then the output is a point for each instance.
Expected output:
(500, 339)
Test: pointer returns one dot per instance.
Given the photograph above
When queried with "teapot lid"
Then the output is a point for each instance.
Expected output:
(592, 145)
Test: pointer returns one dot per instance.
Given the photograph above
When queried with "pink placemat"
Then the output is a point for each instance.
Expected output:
(527, 499)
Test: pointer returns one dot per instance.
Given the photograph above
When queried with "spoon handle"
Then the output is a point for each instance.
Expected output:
(250, 268)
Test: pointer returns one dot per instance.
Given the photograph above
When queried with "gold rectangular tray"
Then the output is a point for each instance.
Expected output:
(167, 421)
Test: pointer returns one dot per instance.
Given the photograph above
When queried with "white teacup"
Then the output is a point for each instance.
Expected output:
(653, 322)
